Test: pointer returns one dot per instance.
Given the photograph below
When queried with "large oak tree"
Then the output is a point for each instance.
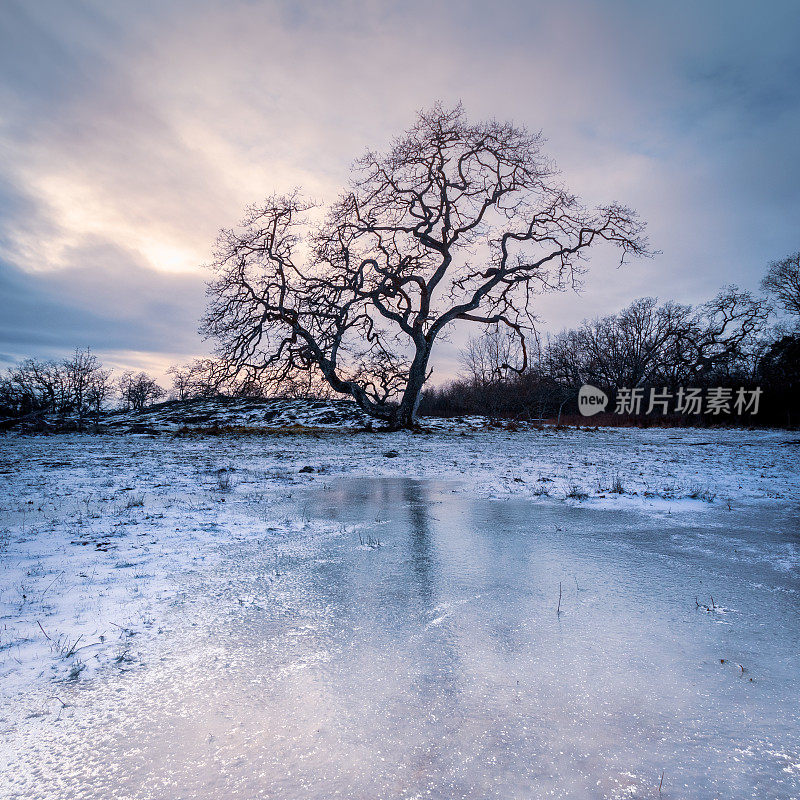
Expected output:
(458, 221)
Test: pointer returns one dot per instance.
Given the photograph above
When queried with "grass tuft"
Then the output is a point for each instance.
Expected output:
(576, 493)
(135, 501)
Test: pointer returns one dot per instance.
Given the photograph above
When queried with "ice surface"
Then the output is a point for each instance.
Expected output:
(328, 634)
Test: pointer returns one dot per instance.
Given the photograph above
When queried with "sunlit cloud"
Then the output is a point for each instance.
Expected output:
(131, 133)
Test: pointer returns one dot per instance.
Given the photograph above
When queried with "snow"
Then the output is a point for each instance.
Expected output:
(234, 412)
(120, 551)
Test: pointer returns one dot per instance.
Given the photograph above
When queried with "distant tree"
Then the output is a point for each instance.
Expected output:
(87, 384)
(624, 349)
(10, 398)
(458, 221)
(181, 381)
(139, 390)
(723, 334)
(662, 344)
(76, 387)
(40, 385)
(208, 377)
(101, 389)
(491, 356)
(565, 358)
(780, 365)
(783, 282)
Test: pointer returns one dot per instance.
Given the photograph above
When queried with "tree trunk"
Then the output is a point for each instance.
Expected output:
(405, 416)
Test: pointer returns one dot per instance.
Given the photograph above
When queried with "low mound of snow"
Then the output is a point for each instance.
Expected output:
(225, 413)
(222, 414)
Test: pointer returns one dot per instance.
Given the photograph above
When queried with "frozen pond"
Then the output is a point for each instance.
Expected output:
(416, 650)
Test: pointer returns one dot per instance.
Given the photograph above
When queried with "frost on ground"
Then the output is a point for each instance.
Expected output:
(225, 412)
(101, 537)
(91, 526)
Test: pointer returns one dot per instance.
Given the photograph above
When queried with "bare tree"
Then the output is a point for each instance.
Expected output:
(490, 356)
(76, 386)
(139, 390)
(100, 389)
(40, 384)
(662, 344)
(181, 381)
(209, 377)
(623, 349)
(86, 383)
(458, 221)
(9, 397)
(783, 281)
(722, 333)
(565, 358)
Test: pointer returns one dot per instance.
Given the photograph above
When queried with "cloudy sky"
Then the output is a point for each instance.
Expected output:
(131, 131)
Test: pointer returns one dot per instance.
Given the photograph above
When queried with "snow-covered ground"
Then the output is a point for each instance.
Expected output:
(108, 542)
(232, 412)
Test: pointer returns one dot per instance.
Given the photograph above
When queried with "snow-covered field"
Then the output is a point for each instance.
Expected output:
(114, 547)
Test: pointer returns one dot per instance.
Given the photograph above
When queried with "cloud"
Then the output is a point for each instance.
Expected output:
(131, 132)
(110, 303)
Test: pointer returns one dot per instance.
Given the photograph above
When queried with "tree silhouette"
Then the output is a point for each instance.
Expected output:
(458, 221)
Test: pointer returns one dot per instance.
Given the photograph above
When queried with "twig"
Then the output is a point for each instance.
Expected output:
(73, 648)
(660, 782)
(50, 584)
(83, 646)
(43, 631)
(63, 706)
(558, 610)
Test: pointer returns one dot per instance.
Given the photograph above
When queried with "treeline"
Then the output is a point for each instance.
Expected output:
(725, 349)
(728, 349)
(77, 388)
